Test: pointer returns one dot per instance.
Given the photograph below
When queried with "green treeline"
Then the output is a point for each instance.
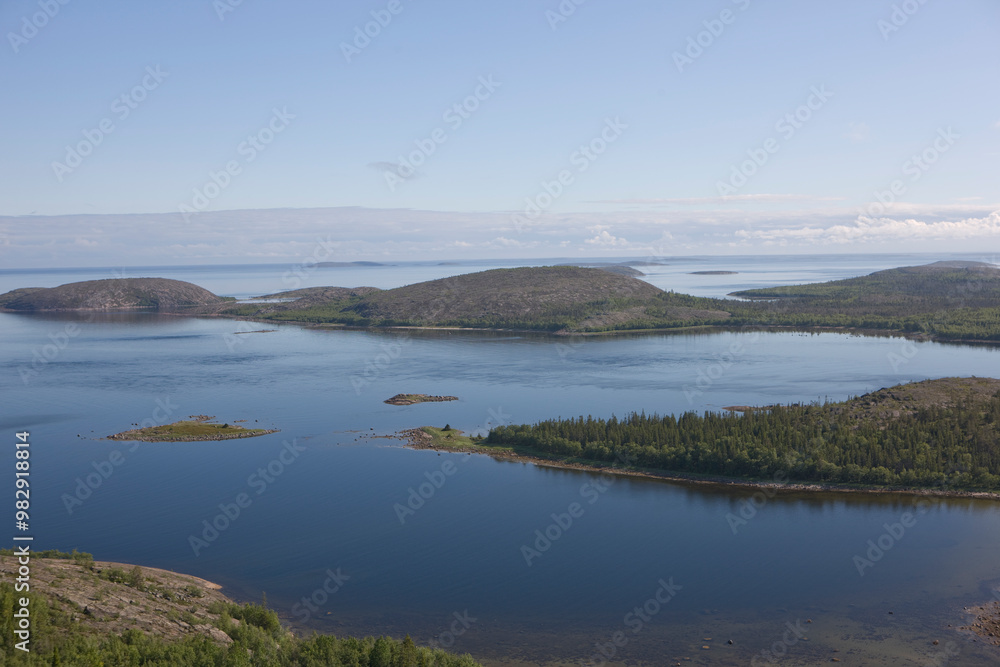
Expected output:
(955, 447)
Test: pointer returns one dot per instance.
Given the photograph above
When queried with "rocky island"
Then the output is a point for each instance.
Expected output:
(198, 428)
(160, 294)
(411, 399)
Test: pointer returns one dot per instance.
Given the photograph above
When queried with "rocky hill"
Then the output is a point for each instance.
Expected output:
(502, 294)
(551, 298)
(112, 294)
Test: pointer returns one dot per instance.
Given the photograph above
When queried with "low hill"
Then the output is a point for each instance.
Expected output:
(551, 298)
(503, 294)
(307, 298)
(321, 293)
(112, 294)
(965, 284)
(943, 301)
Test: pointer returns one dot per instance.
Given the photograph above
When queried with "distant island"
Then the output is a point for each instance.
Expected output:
(411, 399)
(957, 301)
(713, 273)
(160, 294)
(198, 428)
(937, 436)
(87, 612)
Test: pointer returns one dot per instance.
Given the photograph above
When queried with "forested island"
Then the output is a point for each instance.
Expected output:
(97, 613)
(938, 434)
(957, 301)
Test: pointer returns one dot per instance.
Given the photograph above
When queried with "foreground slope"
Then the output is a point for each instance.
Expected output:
(112, 294)
(97, 613)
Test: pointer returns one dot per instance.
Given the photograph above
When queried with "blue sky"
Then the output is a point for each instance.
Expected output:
(198, 82)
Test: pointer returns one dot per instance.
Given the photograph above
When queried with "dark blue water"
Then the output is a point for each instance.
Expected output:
(322, 494)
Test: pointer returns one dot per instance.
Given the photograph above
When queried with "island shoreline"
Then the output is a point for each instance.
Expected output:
(418, 439)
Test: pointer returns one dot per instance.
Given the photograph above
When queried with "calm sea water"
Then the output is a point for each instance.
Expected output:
(325, 493)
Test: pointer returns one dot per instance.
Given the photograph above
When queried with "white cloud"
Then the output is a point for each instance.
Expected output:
(698, 201)
(354, 233)
(880, 230)
(858, 132)
(605, 239)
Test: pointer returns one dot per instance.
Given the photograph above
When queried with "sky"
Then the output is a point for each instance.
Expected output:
(226, 131)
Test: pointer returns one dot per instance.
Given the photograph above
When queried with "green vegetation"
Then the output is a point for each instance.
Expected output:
(217, 634)
(938, 433)
(186, 431)
(533, 298)
(945, 300)
(449, 438)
